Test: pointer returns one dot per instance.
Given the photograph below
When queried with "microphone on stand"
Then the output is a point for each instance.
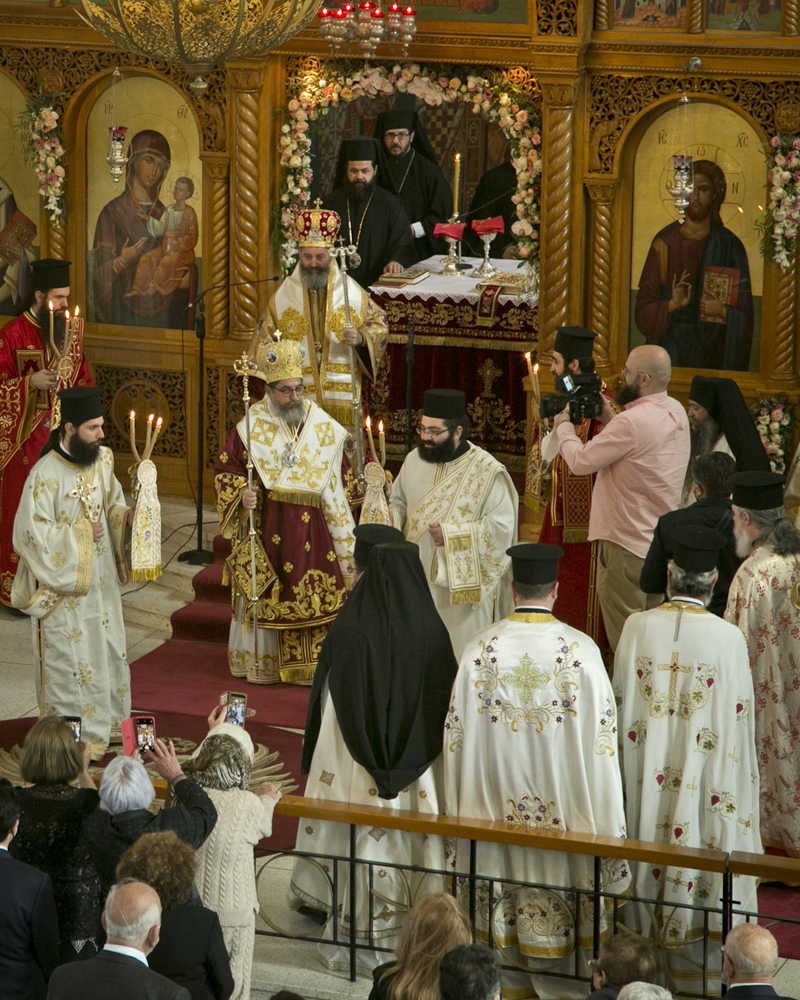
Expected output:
(201, 556)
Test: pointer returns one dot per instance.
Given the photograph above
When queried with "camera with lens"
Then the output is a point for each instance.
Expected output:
(582, 395)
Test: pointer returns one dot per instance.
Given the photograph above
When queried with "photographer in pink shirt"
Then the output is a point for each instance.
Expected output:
(640, 457)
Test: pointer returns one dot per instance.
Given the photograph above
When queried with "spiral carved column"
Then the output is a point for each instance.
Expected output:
(789, 20)
(694, 16)
(603, 15)
(785, 314)
(556, 231)
(57, 240)
(602, 196)
(218, 172)
(244, 195)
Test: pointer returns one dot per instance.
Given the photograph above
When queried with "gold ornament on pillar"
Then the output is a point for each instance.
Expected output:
(198, 34)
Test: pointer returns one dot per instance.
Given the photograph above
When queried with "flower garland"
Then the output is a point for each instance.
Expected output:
(43, 149)
(511, 106)
(774, 420)
(780, 222)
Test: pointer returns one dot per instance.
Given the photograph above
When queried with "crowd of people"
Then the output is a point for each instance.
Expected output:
(632, 674)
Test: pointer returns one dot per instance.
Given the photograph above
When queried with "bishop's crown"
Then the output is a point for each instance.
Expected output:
(317, 227)
(280, 359)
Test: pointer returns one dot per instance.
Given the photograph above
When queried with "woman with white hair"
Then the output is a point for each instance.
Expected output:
(126, 792)
(226, 875)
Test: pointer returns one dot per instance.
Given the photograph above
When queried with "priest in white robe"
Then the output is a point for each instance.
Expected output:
(374, 738)
(69, 532)
(459, 505)
(689, 757)
(764, 602)
(531, 739)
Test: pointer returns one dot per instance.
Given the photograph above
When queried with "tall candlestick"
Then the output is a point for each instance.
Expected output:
(382, 442)
(536, 394)
(371, 441)
(132, 428)
(456, 182)
(50, 307)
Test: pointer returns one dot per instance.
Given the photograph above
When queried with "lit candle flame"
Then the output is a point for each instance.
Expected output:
(77, 310)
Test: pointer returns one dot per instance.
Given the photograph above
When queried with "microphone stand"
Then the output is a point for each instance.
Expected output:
(201, 556)
(409, 382)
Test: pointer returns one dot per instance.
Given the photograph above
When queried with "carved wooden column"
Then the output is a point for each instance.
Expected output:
(57, 240)
(558, 113)
(694, 16)
(782, 353)
(603, 15)
(789, 19)
(218, 215)
(602, 194)
(246, 84)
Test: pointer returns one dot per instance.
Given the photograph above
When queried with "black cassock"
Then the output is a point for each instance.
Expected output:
(384, 235)
(425, 194)
(493, 197)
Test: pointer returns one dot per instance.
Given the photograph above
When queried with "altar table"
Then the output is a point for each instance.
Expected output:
(451, 350)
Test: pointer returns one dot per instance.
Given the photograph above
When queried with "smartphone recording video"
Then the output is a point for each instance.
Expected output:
(146, 733)
(237, 703)
(74, 723)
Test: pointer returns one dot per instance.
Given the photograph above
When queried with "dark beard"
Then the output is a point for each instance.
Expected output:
(360, 190)
(42, 316)
(314, 280)
(698, 213)
(435, 453)
(628, 393)
(704, 436)
(83, 453)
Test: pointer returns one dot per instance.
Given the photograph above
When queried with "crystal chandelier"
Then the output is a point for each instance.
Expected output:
(367, 25)
(198, 34)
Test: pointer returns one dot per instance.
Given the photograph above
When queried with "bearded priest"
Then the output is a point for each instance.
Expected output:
(689, 756)
(309, 307)
(69, 532)
(459, 505)
(301, 499)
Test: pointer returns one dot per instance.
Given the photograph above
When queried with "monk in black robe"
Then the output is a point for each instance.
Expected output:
(408, 168)
(373, 220)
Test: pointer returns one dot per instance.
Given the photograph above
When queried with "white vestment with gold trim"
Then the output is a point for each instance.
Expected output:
(691, 774)
(317, 320)
(764, 602)
(531, 739)
(70, 586)
(476, 504)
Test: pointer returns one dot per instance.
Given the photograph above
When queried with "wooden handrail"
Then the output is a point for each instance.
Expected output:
(738, 863)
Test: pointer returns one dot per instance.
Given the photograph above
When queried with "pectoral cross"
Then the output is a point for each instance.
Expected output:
(675, 668)
(83, 491)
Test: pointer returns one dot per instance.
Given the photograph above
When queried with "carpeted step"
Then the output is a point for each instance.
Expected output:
(188, 677)
(203, 622)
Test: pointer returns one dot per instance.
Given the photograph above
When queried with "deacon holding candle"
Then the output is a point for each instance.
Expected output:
(566, 518)
(75, 599)
(33, 366)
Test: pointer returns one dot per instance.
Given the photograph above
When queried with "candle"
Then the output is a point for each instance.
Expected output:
(132, 429)
(533, 376)
(371, 441)
(382, 442)
(157, 431)
(149, 432)
(50, 307)
(456, 179)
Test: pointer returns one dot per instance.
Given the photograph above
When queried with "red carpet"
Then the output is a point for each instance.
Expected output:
(189, 672)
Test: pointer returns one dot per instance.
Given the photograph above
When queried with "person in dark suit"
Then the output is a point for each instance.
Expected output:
(132, 921)
(749, 961)
(713, 510)
(191, 950)
(28, 920)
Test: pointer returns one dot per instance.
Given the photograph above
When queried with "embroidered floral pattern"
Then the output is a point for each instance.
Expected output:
(532, 812)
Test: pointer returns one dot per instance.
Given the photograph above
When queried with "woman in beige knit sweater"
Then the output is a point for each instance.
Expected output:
(226, 875)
